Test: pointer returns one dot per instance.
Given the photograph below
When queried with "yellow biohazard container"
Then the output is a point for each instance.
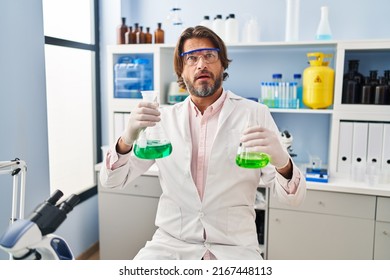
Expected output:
(318, 81)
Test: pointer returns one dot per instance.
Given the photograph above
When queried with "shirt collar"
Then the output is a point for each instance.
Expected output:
(213, 107)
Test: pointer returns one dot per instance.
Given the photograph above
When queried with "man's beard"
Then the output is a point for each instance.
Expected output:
(205, 89)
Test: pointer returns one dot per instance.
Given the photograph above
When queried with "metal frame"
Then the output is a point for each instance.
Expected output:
(17, 168)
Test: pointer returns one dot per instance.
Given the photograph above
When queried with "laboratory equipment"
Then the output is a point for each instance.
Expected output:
(218, 26)
(206, 22)
(287, 140)
(352, 83)
(176, 94)
(121, 32)
(231, 29)
(17, 168)
(152, 142)
(323, 30)
(251, 157)
(292, 20)
(132, 74)
(159, 34)
(251, 31)
(32, 238)
(318, 81)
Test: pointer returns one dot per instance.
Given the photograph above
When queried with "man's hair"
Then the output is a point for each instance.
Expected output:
(198, 32)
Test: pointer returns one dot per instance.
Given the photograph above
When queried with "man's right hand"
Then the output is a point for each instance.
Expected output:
(145, 115)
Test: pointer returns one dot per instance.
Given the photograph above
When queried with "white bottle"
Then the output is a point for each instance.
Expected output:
(323, 30)
(219, 26)
(231, 29)
(251, 33)
(206, 22)
(292, 20)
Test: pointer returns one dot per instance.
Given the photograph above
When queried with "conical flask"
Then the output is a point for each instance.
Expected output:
(152, 142)
(323, 30)
(251, 157)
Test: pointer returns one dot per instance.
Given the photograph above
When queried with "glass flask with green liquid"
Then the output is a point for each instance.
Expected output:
(152, 142)
(251, 157)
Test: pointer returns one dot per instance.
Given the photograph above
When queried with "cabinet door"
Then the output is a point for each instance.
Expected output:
(126, 222)
(303, 235)
(382, 241)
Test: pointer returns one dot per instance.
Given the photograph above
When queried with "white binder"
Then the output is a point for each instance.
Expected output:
(119, 125)
(375, 143)
(386, 149)
(359, 150)
(344, 155)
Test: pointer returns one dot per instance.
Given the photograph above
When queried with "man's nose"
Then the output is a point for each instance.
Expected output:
(200, 64)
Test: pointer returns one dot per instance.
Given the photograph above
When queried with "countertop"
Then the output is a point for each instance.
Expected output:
(348, 186)
(334, 185)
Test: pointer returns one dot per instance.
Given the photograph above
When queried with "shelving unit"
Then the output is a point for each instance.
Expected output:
(316, 132)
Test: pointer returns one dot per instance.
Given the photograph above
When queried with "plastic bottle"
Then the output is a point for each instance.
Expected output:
(276, 91)
(323, 31)
(231, 29)
(159, 34)
(318, 82)
(292, 20)
(277, 77)
(206, 22)
(148, 36)
(219, 26)
(251, 33)
(121, 32)
(298, 80)
(152, 142)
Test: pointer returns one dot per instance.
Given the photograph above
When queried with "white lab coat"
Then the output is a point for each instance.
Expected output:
(226, 213)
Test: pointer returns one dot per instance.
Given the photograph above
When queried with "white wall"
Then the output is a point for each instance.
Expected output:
(23, 120)
(22, 102)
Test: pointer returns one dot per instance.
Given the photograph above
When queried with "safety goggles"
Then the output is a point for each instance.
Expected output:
(209, 56)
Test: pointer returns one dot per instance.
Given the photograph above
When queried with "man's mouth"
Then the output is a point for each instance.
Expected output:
(203, 76)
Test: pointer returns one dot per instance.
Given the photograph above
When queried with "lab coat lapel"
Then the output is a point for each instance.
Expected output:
(184, 122)
(227, 109)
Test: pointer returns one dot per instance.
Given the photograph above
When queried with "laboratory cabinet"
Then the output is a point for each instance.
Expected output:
(328, 225)
(382, 229)
(126, 217)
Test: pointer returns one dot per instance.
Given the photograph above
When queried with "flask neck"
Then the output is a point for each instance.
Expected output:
(324, 13)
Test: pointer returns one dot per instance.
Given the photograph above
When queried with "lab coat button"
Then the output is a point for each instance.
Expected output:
(201, 214)
(207, 245)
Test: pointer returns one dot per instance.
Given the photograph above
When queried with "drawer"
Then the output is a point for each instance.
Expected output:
(383, 209)
(334, 203)
(142, 186)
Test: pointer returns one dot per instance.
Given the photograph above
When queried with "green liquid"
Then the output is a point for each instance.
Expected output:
(252, 160)
(154, 149)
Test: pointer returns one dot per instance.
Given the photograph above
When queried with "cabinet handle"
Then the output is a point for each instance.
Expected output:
(321, 203)
(277, 220)
(385, 232)
(136, 186)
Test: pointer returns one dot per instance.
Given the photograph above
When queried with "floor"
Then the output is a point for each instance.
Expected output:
(91, 254)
